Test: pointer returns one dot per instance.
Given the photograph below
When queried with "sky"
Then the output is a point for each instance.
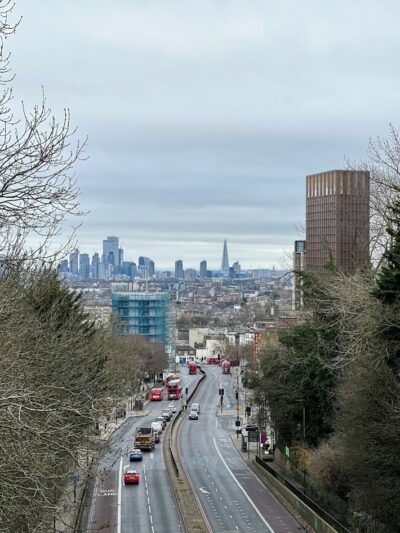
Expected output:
(203, 117)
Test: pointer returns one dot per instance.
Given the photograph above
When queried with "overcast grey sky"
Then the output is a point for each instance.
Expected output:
(204, 116)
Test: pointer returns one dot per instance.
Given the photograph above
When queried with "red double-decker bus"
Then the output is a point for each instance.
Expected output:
(156, 394)
(174, 389)
(192, 367)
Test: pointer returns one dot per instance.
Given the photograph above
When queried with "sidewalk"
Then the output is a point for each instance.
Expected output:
(107, 428)
(250, 456)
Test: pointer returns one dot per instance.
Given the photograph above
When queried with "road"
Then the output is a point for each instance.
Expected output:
(147, 507)
(231, 495)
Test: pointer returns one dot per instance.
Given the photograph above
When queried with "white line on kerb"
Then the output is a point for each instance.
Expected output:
(119, 496)
(242, 489)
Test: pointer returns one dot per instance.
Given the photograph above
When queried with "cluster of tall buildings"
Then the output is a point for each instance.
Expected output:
(337, 226)
(110, 265)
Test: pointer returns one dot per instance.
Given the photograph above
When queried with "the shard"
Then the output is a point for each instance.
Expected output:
(225, 260)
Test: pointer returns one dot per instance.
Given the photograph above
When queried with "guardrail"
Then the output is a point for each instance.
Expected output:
(341, 528)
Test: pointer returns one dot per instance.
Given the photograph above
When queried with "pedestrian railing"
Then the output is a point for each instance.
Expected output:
(341, 528)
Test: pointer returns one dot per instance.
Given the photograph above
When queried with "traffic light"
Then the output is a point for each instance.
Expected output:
(187, 391)
(221, 392)
(237, 395)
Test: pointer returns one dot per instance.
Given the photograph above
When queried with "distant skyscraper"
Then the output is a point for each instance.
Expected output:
(225, 260)
(152, 268)
(179, 274)
(143, 271)
(129, 269)
(84, 267)
(95, 267)
(337, 220)
(203, 269)
(74, 262)
(110, 251)
(144, 261)
(120, 257)
(63, 266)
(298, 265)
(190, 273)
(234, 270)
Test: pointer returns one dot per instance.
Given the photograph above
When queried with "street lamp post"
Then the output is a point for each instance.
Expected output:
(237, 406)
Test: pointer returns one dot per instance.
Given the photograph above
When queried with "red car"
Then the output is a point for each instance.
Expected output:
(131, 477)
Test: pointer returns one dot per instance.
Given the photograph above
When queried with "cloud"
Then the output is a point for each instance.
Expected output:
(205, 116)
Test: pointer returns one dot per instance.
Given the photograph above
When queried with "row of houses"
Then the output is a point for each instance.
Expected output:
(205, 343)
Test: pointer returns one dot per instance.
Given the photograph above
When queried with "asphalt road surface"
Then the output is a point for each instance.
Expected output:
(231, 495)
(149, 507)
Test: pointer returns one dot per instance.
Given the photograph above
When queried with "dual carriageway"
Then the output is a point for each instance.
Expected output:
(230, 496)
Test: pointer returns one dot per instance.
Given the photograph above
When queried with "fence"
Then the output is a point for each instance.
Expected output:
(341, 528)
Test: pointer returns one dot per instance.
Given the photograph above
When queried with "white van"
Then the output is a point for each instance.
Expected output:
(157, 426)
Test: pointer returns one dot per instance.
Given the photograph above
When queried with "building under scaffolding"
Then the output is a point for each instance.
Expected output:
(146, 313)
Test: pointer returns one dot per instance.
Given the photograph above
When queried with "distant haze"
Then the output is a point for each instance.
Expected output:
(204, 117)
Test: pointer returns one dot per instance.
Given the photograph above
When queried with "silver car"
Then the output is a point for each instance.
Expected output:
(193, 415)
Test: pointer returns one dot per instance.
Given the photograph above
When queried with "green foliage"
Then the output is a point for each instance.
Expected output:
(368, 421)
(292, 376)
(52, 372)
(387, 287)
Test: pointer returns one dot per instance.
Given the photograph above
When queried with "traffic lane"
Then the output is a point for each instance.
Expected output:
(278, 518)
(223, 499)
(151, 506)
(135, 514)
(103, 508)
(103, 511)
(165, 511)
(269, 506)
(220, 497)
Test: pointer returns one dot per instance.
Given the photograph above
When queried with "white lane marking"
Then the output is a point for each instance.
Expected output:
(242, 489)
(119, 496)
(204, 491)
(148, 499)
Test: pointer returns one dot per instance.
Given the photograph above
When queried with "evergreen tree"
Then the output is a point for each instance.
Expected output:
(388, 281)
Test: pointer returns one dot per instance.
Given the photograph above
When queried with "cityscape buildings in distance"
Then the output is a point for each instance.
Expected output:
(111, 266)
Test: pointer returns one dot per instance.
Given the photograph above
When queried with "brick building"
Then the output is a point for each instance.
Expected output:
(337, 220)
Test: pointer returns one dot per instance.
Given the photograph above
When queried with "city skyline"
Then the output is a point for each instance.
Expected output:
(208, 135)
(99, 266)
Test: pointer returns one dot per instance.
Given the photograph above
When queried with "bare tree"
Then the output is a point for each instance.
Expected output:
(383, 163)
(37, 186)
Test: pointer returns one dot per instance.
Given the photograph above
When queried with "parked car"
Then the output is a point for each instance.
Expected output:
(131, 477)
(193, 415)
(135, 455)
(166, 413)
(195, 407)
